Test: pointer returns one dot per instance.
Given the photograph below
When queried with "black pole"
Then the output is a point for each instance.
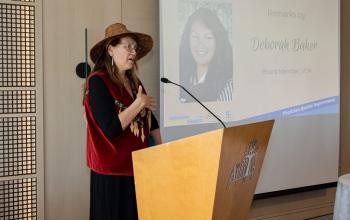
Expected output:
(86, 55)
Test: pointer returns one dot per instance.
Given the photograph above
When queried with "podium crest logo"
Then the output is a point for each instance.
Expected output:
(246, 167)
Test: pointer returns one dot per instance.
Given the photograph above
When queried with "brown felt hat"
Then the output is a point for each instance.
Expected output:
(144, 41)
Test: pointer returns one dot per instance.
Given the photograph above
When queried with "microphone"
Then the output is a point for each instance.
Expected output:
(166, 80)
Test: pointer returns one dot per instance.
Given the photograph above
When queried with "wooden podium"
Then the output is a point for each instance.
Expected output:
(208, 176)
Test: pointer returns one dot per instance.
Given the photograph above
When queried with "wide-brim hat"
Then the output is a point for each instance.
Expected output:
(144, 41)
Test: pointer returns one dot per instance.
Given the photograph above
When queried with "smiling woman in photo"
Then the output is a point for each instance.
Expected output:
(206, 58)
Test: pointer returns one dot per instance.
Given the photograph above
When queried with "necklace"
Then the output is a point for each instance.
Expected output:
(137, 121)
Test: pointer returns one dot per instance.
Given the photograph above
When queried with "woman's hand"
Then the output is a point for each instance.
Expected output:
(141, 102)
(145, 100)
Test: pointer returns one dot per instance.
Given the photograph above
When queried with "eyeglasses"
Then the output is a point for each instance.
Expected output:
(129, 47)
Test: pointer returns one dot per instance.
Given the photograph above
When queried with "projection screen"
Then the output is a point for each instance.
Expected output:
(256, 60)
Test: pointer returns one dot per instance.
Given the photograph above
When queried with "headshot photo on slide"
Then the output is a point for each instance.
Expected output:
(205, 54)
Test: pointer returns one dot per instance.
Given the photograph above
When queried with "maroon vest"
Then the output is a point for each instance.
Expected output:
(112, 156)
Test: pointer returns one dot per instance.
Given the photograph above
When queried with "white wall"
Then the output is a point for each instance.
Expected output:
(66, 176)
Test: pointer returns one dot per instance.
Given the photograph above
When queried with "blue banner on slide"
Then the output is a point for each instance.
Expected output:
(328, 105)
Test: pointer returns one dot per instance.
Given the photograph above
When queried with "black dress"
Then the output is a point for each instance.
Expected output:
(111, 197)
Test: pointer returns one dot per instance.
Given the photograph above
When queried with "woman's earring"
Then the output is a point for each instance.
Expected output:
(112, 62)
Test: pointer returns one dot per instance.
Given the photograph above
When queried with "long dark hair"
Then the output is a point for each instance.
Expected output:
(220, 67)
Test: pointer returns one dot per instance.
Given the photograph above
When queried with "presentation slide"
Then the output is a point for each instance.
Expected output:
(249, 59)
(256, 60)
